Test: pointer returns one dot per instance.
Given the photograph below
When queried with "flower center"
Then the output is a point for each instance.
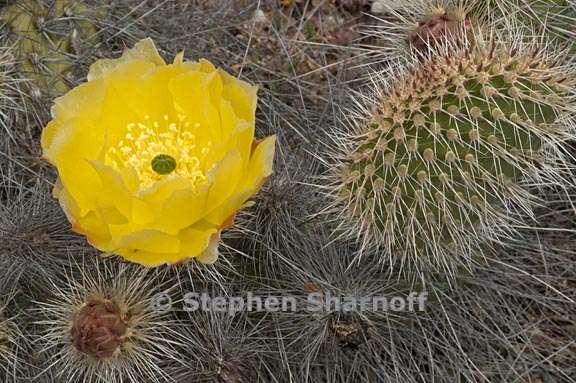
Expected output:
(163, 164)
(156, 150)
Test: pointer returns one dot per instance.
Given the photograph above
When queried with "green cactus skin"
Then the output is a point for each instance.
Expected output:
(445, 150)
(48, 36)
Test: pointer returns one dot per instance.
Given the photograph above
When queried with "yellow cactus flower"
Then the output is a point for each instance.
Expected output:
(154, 159)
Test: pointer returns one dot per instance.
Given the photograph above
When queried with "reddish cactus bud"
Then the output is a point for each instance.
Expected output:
(99, 328)
(437, 27)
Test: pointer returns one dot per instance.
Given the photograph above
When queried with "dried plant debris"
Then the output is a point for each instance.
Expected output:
(335, 331)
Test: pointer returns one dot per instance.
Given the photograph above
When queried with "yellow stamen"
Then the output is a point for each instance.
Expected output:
(147, 139)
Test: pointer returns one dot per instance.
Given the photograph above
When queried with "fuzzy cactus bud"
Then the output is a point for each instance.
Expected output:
(99, 328)
(439, 26)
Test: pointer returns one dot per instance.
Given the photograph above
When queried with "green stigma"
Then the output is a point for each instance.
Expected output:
(163, 164)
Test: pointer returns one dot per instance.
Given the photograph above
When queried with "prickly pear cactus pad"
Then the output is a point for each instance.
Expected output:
(49, 36)
(443, 158)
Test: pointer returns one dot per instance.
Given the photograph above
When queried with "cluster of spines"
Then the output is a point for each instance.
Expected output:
(410, 32)
(11, 346)
(101, 323)
(555, 18)
(443, 154)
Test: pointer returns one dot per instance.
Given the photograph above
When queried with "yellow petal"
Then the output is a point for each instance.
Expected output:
(143, 50)
(236, 132)
(111, 216)
(67, 203)
(147, 258)
(149, 94)
(205, 66)
(261, 163)
(183, 208)
(224, 178)
(141, 212)
(179, 58)
(195, 239)
(95, 230)
(114, 192)
(72, 145)
(193, 243)
(259, 169)
(150, 240)
(85, 100)
(227, 209)
(210, 255)
(76, 116)
(122, 93)
(189, 91)
(241, 95)
(157, 194)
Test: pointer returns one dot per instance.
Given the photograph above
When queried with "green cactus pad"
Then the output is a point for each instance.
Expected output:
(48, 36)
(447, 147)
